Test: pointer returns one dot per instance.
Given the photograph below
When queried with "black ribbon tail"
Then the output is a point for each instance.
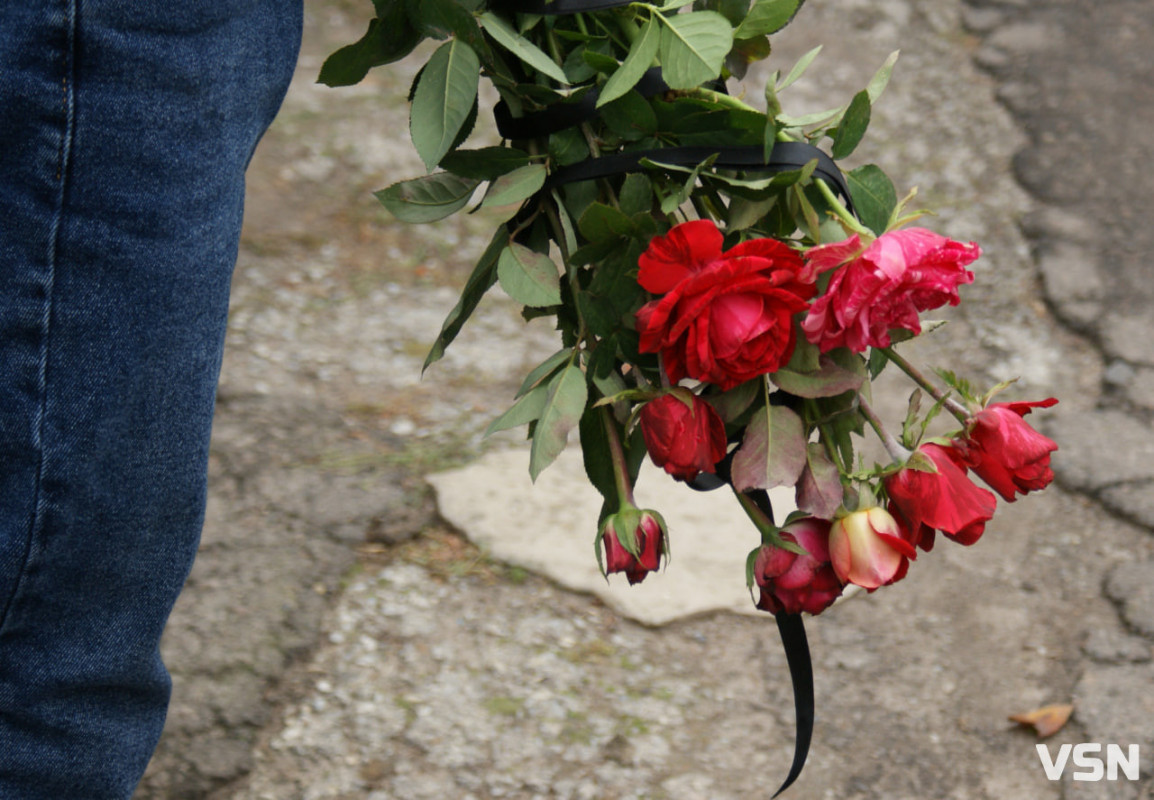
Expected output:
(792, 631)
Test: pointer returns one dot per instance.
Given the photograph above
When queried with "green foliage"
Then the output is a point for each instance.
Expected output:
(428, 198)
(766, 16)
(640, 58)
(390, 37)
(528, 277)
(692, 47)
(443, 98)
(600, 227)
(873, 195)
(564, 406)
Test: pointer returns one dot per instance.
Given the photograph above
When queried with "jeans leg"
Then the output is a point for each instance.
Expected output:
(125, 130)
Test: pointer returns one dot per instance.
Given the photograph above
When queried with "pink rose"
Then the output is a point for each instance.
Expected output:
(724, 317)
(883, 286)
(684, 439)
(946, 500)
(1005, 451)
(791, 583)
(869, 548)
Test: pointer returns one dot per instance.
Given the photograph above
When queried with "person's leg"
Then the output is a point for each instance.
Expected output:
(125, 129)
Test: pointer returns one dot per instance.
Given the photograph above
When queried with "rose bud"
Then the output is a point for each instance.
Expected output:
(723, 317)
(883, 286)
(945, 500)
(683, 439)
(1005, 451)
(638, 550)
(791, 582)
(869, 548)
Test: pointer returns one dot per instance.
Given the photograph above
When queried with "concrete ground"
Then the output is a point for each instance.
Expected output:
(359, 625)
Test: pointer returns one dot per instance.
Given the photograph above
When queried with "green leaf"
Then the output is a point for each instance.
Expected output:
(521, 47)
(443, 99)
(630, 117)
(601, 62)
(693, 47)
(640, 58)
(515, 187)
(799, 68)
(428, 198)
(529, 277)
(483, 277)
(388, 39)
(527, 408)
(766, 16)
(881, 78)
(563, 409)
(746, 52)
(443, 18)
(731, 404)
(744, 213)
(773, 452)
(819, 491)
(874, 196)
(636, 195)
(485, 163)
(545, 369)
(602, 222)
(877, 362)
(853, 126)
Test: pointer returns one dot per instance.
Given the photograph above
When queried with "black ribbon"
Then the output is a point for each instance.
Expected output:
(792, 630)
(791, 627)
(784, 156)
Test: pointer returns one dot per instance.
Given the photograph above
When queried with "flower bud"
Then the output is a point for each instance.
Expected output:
(869, 548)
(634, 543)
(945, 499)
(1008, 454)
(792, 582)
(683, 438)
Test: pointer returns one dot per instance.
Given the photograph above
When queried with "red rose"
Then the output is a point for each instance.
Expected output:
(725, 317)
(946, 500)
(684, 439)
(791, 583)
(649, 542)
(884, 286)
(1006, 452)
(870, 548)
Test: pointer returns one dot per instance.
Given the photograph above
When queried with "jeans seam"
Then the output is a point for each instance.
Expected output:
(67, 102)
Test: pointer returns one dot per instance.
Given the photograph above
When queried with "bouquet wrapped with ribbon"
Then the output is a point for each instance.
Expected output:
(724, 294)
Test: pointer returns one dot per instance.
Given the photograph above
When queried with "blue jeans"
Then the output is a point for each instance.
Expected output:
(125, 130)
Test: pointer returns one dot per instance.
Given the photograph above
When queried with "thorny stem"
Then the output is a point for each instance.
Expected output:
(950, 404)
(898, 453)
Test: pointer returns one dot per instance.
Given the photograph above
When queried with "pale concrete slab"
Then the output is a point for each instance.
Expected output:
(549, 528)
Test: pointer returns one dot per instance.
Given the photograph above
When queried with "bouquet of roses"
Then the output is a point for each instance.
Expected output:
(724, 293)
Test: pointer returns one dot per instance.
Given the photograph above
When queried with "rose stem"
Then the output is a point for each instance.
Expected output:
(898, 453)
(764, 525)
(916, 375)
(841, 211)
(617, 456)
